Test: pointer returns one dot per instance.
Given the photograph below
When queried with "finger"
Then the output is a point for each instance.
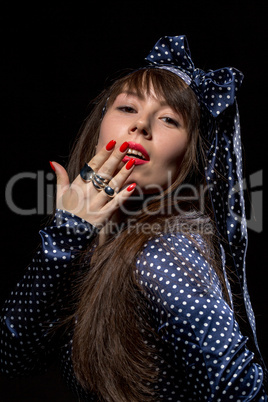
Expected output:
(63, 182)
(119, 179)
(118, 200)
(97, 161)
(116, 183)
(111, 165)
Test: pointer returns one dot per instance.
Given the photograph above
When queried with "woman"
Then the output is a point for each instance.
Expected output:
(129, 284)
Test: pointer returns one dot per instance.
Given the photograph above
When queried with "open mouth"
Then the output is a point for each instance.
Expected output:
(138, 152)
(133, 153)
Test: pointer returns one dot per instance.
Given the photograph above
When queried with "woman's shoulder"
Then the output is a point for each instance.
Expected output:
(176, 249)
(176, 261)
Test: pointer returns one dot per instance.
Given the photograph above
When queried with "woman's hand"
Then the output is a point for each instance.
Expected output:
(83, 199)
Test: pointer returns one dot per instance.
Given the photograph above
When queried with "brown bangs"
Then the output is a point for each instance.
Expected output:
(166, 85)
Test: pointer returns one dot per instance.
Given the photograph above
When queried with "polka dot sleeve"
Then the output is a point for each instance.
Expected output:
(205, 354)
(30, 314)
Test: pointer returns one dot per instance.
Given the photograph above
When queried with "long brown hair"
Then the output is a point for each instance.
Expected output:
(110, 354)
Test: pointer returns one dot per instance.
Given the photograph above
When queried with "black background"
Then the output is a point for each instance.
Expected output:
(56, 58)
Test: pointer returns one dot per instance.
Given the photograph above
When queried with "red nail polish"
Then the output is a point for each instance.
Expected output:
(52, 166)
(131, 187)
(110, 145)
(130, 163)
(124, 146)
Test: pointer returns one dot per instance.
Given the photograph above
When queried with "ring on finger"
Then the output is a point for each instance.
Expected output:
(109, 191)
(101, 181)
(98, 182)
(86, 173)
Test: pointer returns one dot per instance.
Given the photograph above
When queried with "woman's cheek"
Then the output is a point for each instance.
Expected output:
(103, 140)
(99, 145)
(104, 136)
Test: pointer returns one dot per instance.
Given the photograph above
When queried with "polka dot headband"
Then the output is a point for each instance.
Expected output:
(214, 89)
(216, 93)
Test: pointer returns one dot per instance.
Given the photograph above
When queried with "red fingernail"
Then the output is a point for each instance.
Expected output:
(110, 145)
(52, 166)
(124, 146)
(130, 163)
(131, 187)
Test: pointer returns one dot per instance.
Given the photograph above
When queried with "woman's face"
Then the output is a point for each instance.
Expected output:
(151, 127)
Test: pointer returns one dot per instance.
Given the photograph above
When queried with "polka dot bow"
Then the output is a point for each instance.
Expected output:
(220, 125)
(215, 89)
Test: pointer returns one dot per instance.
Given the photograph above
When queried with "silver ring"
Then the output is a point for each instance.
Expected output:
(109, 191)
(98, 182)
(86, 173)
(95, 184)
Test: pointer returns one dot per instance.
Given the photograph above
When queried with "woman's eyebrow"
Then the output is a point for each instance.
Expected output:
(133, 93)
(162, 102)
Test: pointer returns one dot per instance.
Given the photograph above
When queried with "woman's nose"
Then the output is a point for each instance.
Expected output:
(141, 126)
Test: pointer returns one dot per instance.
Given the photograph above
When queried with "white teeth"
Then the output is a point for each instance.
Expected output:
(135, 152)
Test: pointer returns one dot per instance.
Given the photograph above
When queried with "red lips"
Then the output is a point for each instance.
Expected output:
(140, 148)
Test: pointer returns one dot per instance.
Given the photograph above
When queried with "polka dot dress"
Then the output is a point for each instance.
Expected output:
(201, 353)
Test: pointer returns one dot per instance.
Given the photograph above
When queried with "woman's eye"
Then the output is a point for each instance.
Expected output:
(170, 121)
(126, 109)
